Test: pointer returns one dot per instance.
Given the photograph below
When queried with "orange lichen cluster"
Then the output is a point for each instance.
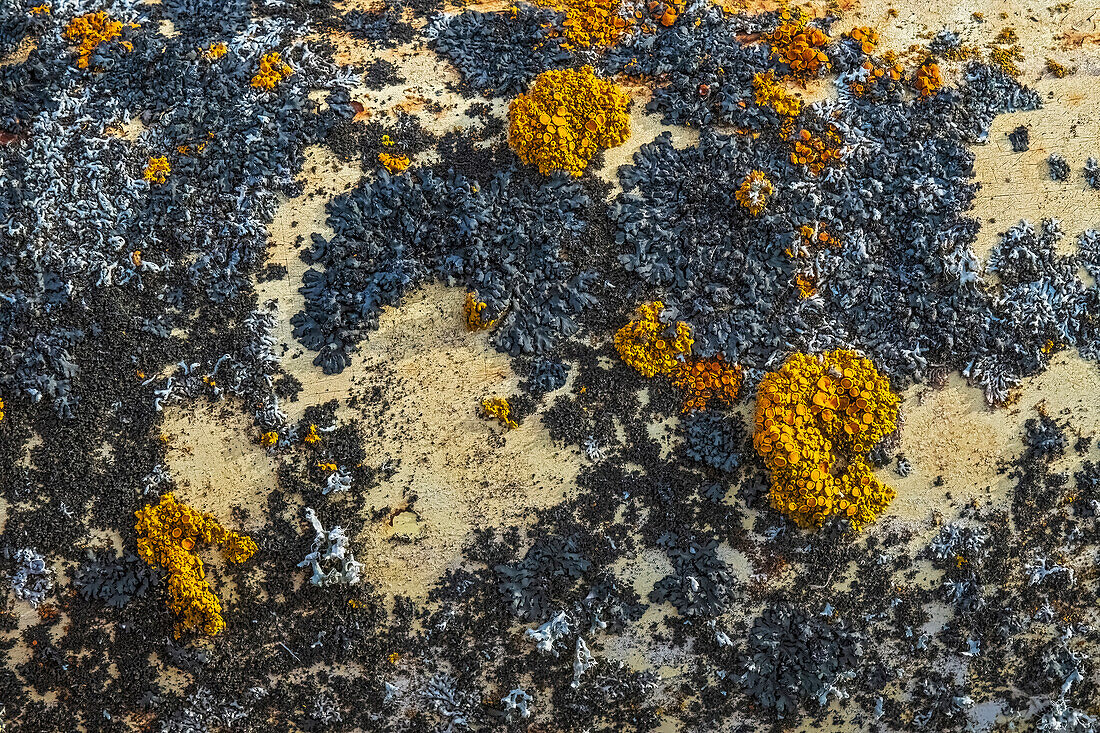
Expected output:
(157, 170)
(799, 46)
(1, 408)
(812, 236)
(566, 118)
(394, 163)
(93, 30)
(215, 51)
(272, 71)
(589, 23)
(169, 535)
(43, 9)
(816, 420)
(712, 379)
(816, 152)
(768, 92)
(602, 23)
(806, 285)
(269, 439)
(929, 79)
(754, 192)
(875, 74)
(312, 436)
(498, 408)
(866, 37)
(652, 346)
(473, 310)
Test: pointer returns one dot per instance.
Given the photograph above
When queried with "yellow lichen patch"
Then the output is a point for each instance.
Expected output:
(272, 71)
(806, 285)
(816, 152)
(1059, 70)
(92, 30)
(816, 420)
(928, 80)
(157, 170)
(312, 436)
(1006, 58)
(566, 118)
(269, 439)
(602, 23)
(796, 44)
(769, 93)
(589, 23)
(754, 192)
(1, 408)
(43, 9)
(215, 51)
(394, 163)
(708, 380)
(651, 346)
(498, 408)
(473, 310)
(169, 536)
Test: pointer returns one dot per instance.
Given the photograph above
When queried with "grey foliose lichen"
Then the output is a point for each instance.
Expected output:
(32, 579)
(501, 240)
(331, 559)
(794, 658)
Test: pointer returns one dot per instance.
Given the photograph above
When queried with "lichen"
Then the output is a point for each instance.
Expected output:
(272, 71)
(816, 419)
(566, 117)
(169, 536)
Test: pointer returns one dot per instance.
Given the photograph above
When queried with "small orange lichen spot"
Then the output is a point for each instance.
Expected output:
(157, 170)
(387, 141)
(928, 80)
(754, 192)
(394, 163)
(327, 466)
(1, 408)
(498, 408)
(394, 657)
(652, 346)
(806, 285)
(474, 309)
(43, 9)
(139, 374)
(312, 436)
(215, 51)
(712, 379)
(269, 439)
(168, 533)
(272, 71)
(135, 257)
(93, 30)
(866, 37)
(566, 117)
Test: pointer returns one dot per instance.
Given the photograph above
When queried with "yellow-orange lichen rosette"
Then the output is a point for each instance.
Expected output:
(816, 419)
